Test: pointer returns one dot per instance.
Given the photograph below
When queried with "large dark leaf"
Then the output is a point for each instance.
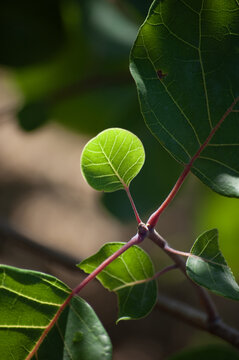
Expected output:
(185, 63)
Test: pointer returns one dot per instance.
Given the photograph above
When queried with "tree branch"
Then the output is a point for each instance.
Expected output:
(198, 319)
(8, 233)
(135, 240)
(205, 298)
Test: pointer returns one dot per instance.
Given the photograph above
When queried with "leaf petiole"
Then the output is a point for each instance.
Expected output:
(132, 204)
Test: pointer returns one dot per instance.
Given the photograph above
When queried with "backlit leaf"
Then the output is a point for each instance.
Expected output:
(185, 64)
(112, 159)
(209, 268)
(121, 276)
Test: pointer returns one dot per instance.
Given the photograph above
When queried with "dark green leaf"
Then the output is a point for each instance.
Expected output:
(112, 159)
(210, 213)
(85, 337)
(209, 268)
(185, 64)
(135, 300)
(28, 302)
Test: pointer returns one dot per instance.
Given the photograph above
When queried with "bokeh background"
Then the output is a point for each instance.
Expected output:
(63, 78)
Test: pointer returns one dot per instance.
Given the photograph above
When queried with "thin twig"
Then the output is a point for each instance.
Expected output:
(198, 319)
(135, 240)
(205, 298)
(133, 205)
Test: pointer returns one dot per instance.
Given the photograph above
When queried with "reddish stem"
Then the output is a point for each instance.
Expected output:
(152, 221)
(133, 205)
(204, 296)
(137, 239)
(163, 271)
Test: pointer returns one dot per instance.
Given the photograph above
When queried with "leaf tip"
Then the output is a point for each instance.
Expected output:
(123, 318)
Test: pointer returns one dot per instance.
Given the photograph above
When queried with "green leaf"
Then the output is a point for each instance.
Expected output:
(112, 159)
(209, 268)
(211, 352)
(155, 187)
(135, 300)
(185, 65)
(85, 337)
(210, 213)
(28, 302)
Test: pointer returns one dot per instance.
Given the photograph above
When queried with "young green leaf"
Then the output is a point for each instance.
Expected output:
(112, 159)
(135, 300)
(209, 268)
(186, 71)
(29, 300)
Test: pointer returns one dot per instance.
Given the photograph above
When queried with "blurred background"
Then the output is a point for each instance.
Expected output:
(63, 78)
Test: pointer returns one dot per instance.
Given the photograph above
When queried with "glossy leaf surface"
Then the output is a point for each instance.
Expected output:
(85, 337)
(28, 302)
(112, 159)
(185, 64)
(121, 276)
(209, 268)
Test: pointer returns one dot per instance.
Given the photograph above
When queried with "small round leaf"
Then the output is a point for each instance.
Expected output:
(112, 159)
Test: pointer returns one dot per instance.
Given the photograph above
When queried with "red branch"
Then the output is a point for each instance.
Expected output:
(137, 239)
(152, 221)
